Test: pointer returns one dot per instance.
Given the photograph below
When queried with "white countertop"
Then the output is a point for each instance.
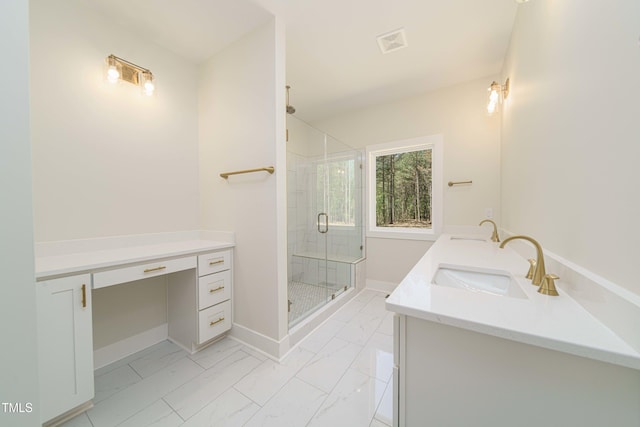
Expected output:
(557, 323)
(56, 265)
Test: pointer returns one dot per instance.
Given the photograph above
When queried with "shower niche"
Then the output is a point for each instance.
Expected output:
(325, 218)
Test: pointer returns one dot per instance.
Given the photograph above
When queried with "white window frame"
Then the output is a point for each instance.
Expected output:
(432, 142)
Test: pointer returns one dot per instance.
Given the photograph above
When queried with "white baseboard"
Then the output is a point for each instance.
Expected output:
(126, 347)
(264, 344)
(379, 285)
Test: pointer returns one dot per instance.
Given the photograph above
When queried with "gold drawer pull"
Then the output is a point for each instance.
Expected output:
(219, 288)
(149, 270)
(84, 295)
(220, 261)
(217, 321)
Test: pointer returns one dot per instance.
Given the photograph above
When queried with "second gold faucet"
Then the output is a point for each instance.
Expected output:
(494, 235)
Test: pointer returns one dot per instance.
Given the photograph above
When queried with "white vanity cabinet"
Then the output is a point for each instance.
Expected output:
(199, 308)
(65, 344)
(198, 275)
(448, 376)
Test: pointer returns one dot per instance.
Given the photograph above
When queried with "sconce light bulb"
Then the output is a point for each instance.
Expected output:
(112, 74)
(493, 97)
(491, 107)
(149, 88)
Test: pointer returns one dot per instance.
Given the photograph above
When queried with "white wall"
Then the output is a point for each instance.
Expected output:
(471, 152)
(123, 311)
(108, 161)
(570, 137)
(241, 128)
(18, 361)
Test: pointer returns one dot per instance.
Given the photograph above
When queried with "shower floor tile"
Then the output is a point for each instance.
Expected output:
(306, 298)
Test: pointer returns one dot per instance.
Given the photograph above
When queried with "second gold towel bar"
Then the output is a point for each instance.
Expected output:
(452, 183)
(269, 169)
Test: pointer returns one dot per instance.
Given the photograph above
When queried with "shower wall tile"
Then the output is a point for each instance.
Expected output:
(291, 213)
(301, 216)
(311, 271)
(332, 278)
(343, 274)
(301, 183)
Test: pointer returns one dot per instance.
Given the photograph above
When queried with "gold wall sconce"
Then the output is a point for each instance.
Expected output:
(121, 69)
(497, 94)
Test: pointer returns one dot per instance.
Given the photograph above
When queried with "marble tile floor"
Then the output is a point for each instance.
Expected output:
(339, 376)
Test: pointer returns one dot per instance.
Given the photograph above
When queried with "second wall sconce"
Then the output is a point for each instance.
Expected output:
(497, 94)
(121, 69)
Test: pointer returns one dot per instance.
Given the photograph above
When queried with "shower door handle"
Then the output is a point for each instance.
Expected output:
(326, 222)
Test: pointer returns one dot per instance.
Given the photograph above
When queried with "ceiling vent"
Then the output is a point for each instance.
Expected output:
(392, 40)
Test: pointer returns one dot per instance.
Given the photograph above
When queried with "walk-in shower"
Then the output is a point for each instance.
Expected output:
(325, 218)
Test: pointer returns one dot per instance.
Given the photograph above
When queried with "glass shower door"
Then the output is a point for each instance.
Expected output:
(325, 220)
(308, 221)
(322, 182)
(341, 169)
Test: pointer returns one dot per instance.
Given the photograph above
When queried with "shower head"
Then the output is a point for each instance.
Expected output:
(290, 108)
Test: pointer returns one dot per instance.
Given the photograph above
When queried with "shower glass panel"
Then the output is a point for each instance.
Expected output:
(325, 218)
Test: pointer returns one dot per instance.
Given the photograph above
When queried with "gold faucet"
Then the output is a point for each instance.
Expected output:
(539, 276)
(539, 270)
(494, 235)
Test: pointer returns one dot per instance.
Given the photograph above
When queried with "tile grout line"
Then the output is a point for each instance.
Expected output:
(205, 370)
(162, 397)
(321, 391)
(250, 399)
(173, 409)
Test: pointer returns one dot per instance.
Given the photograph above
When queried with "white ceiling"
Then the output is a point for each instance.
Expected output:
(333, 60)
(195, 29)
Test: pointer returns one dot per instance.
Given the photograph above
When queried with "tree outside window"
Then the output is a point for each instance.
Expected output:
(404, 187)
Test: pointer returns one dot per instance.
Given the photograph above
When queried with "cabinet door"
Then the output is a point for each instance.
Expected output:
(65, 344)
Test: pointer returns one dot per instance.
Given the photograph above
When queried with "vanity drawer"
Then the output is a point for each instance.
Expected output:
(214, 289)
(142, 271)
(213, 321)
(214, 262)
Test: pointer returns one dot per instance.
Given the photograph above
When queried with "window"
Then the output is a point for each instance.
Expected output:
(404, 188)
(336, 180)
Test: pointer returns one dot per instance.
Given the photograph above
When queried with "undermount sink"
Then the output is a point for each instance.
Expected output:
(493, 283)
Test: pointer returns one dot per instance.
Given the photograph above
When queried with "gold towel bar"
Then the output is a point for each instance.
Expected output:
(269, 169)
(452, 183)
